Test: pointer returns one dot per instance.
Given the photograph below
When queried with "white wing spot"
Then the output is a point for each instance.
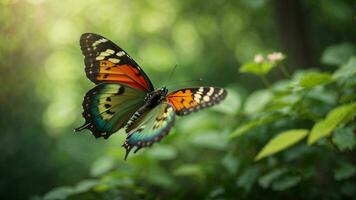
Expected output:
(104, 54)
(206, 98)
(114, 60)
(99, 58)
(221, 91)
(110, 51)
(120, 53)
(211, 91)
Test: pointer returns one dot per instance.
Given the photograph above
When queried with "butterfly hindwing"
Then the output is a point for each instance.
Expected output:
(107, 62)
(108, 107)
(189, 100)
(151, 127)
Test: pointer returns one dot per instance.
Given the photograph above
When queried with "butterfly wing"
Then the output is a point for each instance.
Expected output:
(189, 100)
(151, 127)
(106, 62)
(108, 107)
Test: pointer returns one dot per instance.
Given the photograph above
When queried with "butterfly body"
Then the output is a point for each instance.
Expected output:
(151, 100)
(124, 97)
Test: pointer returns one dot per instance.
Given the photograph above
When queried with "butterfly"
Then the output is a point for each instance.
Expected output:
(124, 97)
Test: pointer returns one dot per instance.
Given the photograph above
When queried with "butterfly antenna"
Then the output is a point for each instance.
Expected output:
(188, 81)
(170, 74)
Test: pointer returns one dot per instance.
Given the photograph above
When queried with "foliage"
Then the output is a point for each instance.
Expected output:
(214, 163)
(282, 133)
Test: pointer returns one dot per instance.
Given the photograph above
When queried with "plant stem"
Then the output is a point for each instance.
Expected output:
(265, 81)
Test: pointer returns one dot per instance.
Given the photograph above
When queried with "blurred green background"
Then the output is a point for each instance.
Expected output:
(43, 84)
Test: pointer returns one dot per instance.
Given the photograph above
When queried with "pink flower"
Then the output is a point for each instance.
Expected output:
(276, 57)
(258, 58)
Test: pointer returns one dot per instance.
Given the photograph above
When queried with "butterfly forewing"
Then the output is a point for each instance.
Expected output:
(189, 100)
(106, 62)
(108, 107)
(150, 128)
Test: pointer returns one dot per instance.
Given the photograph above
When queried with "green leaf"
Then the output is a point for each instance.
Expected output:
(346, 71)
(209, 139)
(345, 171)
(257, 68)
(248, 178)
(344, 138)
(231, 104)
(231, 163)
(257, 101)
(102, 166)
(285, 183)
(159, 176)
(282, 141)
(266, 180)
(324, 128)
(313, 79)
(85, 185)
(188, 170)
(338, 54)
(252, 124)
(59, 193)
(162, 152)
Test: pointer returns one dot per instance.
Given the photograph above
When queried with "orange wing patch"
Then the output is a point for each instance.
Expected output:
(107, 62)
(182, 99)
(127, 74)
(189, 100)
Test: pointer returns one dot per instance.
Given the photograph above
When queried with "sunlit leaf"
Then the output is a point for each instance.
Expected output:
(257, 68)
(313, 79)
(344, 138)
(282, 141)
(338, 54)
(336, 116)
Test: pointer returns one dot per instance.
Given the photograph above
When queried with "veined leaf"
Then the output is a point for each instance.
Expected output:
(257, 68)
(313, 79)
(324, 128)
(282, 141)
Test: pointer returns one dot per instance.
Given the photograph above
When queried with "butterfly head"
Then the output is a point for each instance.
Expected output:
(163, 91)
